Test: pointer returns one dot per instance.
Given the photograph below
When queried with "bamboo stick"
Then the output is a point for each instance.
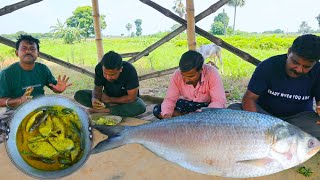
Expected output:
(97, 29)
(245, 56)
(125, 55)
(157, 74)
(190, 25)
(213, 8)
(16, 6)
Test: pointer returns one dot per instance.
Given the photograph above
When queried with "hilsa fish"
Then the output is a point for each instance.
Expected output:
(220, 142)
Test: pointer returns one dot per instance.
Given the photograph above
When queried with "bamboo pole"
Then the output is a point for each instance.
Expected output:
(245, 56)
(190, 25)
(213, 8)
(97, 28)
(16, 6)
(158, 73)
(126, 55)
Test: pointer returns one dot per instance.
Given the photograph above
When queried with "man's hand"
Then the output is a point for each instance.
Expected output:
(61, 85)
(166, 116)
(26, 96)
(318, 110)
(97, 104)
(92, 110)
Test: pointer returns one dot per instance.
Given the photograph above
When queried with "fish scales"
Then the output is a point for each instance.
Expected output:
(219, 142)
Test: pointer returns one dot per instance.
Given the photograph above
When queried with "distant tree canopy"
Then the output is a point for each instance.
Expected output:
(235, 4)
(318, 19)
(82, 19)
(138, 23)
(179, 8)
(217, 28)
(220, 24)
(68, 34)
(129, 27)
(304, 28)
(222, 17)
(276, 31)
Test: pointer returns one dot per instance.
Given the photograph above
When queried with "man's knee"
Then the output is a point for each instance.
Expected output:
(83, 97)
(141, 106)
(77, 95)
(80, 94)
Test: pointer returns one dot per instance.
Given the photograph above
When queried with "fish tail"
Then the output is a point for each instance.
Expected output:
(114, 138)
(110, 131)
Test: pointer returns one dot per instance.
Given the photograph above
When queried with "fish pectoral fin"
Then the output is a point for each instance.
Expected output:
(257, 162)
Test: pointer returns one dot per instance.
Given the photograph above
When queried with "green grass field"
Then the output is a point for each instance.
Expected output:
(237, 72)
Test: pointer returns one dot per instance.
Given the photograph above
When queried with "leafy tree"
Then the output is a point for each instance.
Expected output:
(179, 8)
(278, 31)
(217, 28)
(224, 19)
(21, 32)
(304, 27)
(235, 4)
(58, 29)
(138, 23)
(129, 27)
(69, 34)
(318, 19)
(82, 18)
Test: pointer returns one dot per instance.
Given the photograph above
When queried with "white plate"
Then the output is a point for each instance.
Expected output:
(96, 116)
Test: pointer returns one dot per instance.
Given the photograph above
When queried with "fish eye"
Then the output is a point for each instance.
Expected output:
(310, 143)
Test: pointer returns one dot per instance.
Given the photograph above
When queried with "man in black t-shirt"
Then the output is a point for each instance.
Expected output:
(286, 86)
(116, 88)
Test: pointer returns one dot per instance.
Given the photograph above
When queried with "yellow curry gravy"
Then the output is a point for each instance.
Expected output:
(68, 122)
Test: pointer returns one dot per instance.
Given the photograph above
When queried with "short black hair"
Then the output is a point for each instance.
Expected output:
(29, 39)
(307, 46)
(112, 60)
(189, 60)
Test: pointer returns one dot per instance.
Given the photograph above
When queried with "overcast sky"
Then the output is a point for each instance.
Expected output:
(255, 16)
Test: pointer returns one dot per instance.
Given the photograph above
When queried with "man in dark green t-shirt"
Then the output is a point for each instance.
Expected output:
(116, 88)
(25, 79)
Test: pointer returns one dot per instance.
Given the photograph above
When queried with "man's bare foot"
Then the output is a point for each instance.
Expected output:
(93, 110)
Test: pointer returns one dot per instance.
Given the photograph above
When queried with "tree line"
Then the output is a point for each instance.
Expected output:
(81, 25)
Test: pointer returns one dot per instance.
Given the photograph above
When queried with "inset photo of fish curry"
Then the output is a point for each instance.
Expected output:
(49, 138)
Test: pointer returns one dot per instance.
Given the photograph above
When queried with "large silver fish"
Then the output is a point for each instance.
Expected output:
(220, 142)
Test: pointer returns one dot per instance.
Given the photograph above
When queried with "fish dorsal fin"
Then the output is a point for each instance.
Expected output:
(257, 162)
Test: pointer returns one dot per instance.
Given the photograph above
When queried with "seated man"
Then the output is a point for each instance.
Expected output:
(286, 85)
(26, 78)
(116, 88)
(193, 86)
